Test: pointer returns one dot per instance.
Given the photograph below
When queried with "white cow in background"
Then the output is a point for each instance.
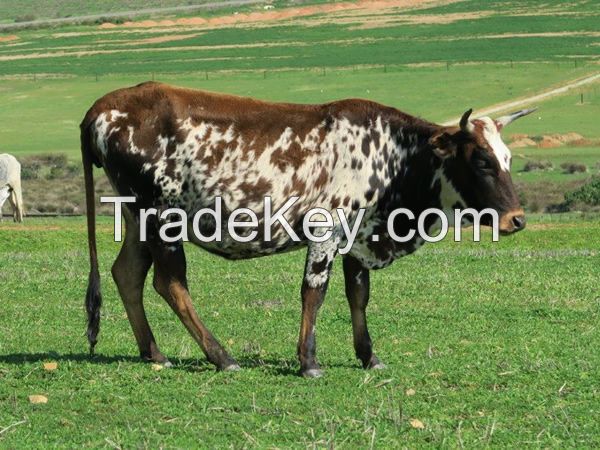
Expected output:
(10, 185)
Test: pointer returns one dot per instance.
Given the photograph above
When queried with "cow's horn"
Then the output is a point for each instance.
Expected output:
(465, 125)
(505, 120)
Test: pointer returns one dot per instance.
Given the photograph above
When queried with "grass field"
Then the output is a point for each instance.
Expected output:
(496, 340)
(487, 344)
(59, 105)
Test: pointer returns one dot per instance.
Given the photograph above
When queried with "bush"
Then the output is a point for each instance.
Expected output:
(25, 18)
(588, 194)
(573, 167)
(55, 160)
(533, 165)
(49, 166)
(101, 20)
(55, 173)
(30, 170)
(74, 170)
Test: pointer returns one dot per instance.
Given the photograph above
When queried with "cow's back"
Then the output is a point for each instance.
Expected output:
(182, 148)
(10, 169)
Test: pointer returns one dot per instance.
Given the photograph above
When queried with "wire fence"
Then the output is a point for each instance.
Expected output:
(566, 217)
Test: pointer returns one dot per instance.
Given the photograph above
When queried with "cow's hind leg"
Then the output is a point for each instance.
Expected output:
(4, 194)
(170, 282)
(357, 291)
(17, 213)
(129, 272)
(16, 201)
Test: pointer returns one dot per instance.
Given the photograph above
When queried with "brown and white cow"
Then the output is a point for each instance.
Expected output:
(172, 147)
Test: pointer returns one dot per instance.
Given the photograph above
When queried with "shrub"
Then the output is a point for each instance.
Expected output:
(74, 170)
(49, 166)
(25, 18)
(101, 20)
(55, 173)
(533, 165)
(55, 160)
(573, 167)
(588, 194)
(30, 170)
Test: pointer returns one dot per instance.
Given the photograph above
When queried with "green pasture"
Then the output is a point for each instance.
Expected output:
(56, 106)
(506, 7)
(497, 341)
(487, 344)
(495, 33)
(323, 46)
(467, 65)
(19, 10)
(590, 156)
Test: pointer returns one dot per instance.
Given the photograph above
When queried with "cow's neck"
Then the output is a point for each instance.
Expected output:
(421, 181)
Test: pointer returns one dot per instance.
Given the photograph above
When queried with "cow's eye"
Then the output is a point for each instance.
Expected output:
(483, 164)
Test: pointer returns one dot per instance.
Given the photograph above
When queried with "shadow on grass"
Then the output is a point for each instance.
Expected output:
(272, 366)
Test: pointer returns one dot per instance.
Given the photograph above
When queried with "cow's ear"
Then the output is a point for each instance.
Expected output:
(443, 144)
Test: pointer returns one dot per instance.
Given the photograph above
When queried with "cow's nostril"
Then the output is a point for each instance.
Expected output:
(518, 222)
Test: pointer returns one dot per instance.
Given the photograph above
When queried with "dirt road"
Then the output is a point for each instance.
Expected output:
(501, 107)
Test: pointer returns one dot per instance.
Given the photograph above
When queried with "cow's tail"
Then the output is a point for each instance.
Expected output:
(93, 297)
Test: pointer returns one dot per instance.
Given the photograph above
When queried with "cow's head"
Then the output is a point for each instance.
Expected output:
(477, 164)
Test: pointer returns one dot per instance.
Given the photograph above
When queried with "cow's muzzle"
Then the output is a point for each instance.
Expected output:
(512, 221)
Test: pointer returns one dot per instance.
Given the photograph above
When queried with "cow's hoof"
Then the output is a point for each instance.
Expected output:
(312, 373)
(374, 363)
(232, 368)
(167, 364)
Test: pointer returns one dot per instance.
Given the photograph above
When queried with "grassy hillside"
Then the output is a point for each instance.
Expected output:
(487, 344)
(433, 62)
(289, 45)
(26, 10)
(481, 347)
(59, 105)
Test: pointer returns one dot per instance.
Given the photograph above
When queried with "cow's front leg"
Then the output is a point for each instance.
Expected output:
(319, 260)
(357, 291)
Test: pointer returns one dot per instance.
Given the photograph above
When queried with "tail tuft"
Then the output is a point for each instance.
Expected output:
(93, 302)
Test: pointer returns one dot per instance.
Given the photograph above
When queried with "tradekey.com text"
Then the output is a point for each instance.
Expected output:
(318, 224)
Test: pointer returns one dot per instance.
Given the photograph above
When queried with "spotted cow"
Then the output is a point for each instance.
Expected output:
(172, 147)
